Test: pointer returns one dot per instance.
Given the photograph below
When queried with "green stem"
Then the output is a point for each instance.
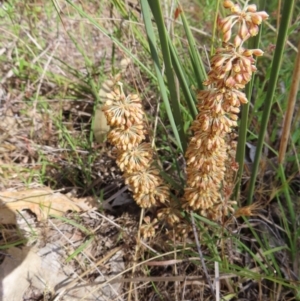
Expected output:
(240, 154)
(163, 38)
(215, 28)
(174, 112)
(276, 63)
(286, 192)
(199, 69)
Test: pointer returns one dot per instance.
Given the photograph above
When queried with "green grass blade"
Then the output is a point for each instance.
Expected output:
(291, 235)
(129, 15)
(17, 243)
(73, 223)
(180, 138)
(79, 249)
(114, 39)
(199, 69)
(164, 44)
(242, 137)
(287, 194)
(190, 99)
(215, 28)
(276, 63)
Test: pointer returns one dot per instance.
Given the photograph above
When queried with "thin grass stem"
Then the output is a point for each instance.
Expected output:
(197, 63)
(164, 45)
(161, 83)
(276, 64)
(243, 128)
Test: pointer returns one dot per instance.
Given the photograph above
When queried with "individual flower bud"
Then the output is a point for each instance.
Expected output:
(247, 52)
(205, 123)
(228, 4)
(252, 8)
(247, 77)
(253, 30)
(226, 24)
(242, 97)
(148, 229)
(218, 107)
(235, 9)
(243, 32)
(246, 61)
(227, 36)
(239, 78)
(257, 52)
(219, 61)
(236, 68)
(256, 19)
(230, 82)
(253, 68)
(237, 41)
(228, 66)
(233, 117)
(234, 110)
(263, 14)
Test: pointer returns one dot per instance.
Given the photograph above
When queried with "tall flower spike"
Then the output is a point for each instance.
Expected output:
(134, 157)
(210, 153)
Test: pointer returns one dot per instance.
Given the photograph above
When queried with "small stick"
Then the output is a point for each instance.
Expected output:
(291, 107)
(217, 281)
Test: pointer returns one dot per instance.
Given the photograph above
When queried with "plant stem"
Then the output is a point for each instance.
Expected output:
(276, 63)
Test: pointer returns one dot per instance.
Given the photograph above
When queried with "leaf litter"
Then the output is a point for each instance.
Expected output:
(42, 267)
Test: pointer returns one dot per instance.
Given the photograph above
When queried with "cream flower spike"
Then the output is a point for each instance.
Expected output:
(126, 117)
(210, 153)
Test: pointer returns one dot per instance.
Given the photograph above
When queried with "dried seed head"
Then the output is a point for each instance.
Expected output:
(121, 110)
(125, 114)
(200, 200)
(151, 198)
(144, 180)
(182, 230)
(126, 138)
(250, 210)
(148, 228)
(171, 215)
(145, 200)
(135, 159)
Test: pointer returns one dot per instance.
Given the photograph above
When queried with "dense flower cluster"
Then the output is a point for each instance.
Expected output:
(210, 154)
(125, 116)
(246, 19)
